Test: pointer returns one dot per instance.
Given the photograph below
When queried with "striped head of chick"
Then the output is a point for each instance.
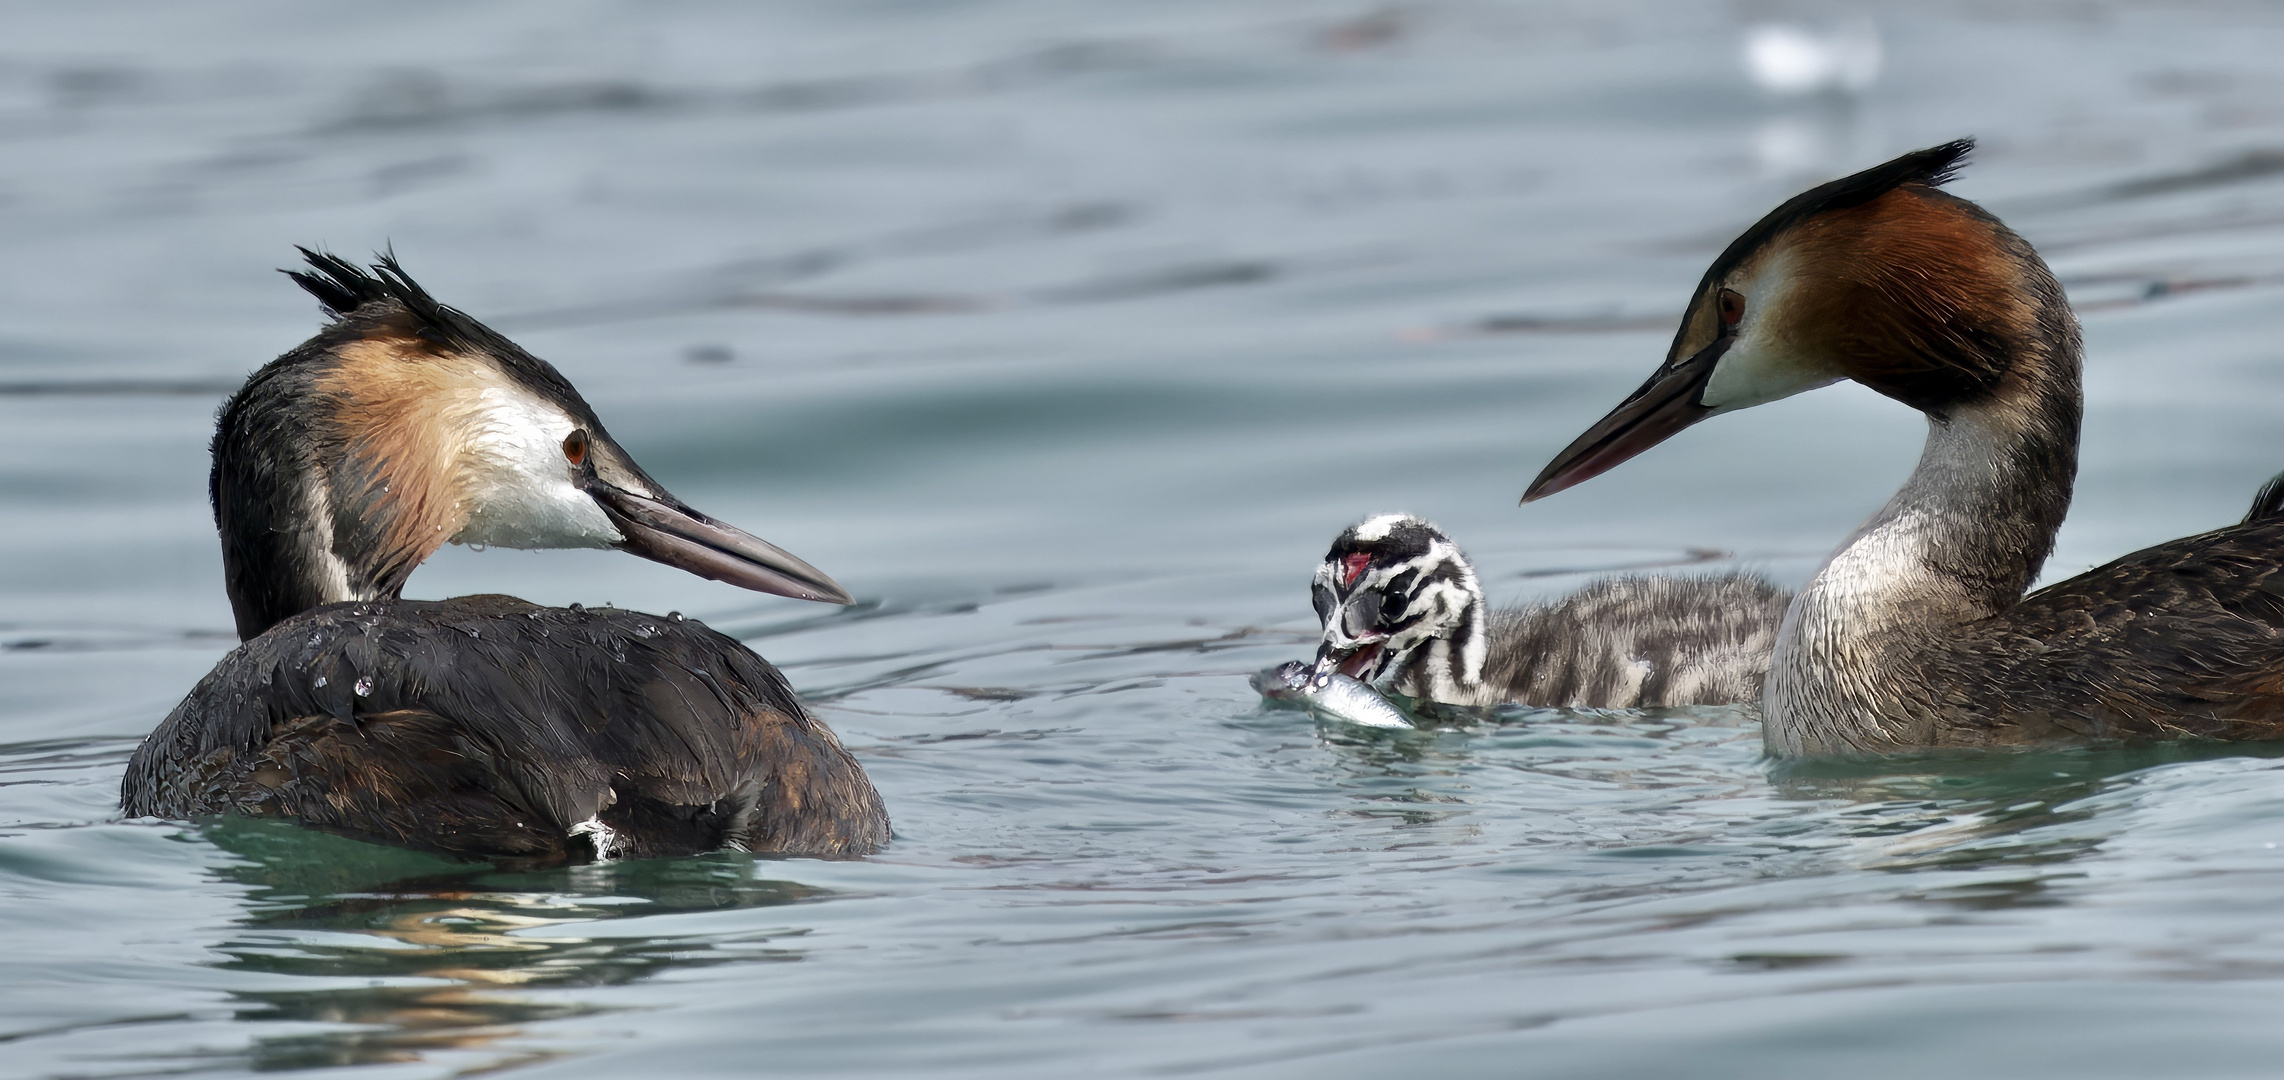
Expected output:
(1397, 598)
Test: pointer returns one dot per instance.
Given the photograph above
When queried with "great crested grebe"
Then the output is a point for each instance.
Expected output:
(1916, 631)
(482, 726)
(1400, 602)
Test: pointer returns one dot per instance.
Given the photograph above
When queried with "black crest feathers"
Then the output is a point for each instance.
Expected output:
(344, 287)
(1932, 167)
(384, 290)
(2269, 503)
(383, 294)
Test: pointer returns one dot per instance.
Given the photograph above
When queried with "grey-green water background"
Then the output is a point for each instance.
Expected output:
(1066, 333)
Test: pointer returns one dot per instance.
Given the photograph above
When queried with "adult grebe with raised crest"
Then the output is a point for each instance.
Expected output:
(1917, 632)
(483, 726)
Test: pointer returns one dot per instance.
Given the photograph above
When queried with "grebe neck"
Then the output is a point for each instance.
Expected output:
(1962, 541)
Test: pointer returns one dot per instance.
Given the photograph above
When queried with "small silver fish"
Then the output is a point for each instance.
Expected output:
(1341, 697)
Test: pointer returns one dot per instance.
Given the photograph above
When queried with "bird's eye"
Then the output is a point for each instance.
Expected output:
(1732, 308)
(575, 447)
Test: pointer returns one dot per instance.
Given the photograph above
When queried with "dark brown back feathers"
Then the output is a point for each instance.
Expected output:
(491, 727)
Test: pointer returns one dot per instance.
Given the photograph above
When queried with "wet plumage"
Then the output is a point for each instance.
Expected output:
(488, 725)
(483, 726)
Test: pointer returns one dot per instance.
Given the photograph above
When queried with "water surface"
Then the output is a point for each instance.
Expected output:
(1066, 335)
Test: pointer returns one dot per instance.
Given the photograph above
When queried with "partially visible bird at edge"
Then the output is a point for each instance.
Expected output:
(1918, 631)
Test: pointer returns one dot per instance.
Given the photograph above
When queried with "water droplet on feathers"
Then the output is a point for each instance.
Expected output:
(363, 686)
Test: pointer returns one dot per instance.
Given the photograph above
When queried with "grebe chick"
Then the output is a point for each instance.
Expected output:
(1400, 603)
(1916, 631)
(482, 726)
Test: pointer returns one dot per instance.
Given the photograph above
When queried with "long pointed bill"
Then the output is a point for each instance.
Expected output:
(1669, 402)
(674, 534)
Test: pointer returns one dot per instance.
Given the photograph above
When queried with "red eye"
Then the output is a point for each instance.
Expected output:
(1732, 308)
(1353, 566)
(575, 448)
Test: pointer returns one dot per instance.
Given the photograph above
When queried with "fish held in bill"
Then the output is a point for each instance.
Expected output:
(1338, 697)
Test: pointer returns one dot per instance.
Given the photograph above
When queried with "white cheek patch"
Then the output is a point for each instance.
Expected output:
(1764, 364)
(521, 493)
(1753, 373)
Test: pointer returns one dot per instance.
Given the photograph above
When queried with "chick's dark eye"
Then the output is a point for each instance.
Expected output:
(575, 448)
(1732, 308)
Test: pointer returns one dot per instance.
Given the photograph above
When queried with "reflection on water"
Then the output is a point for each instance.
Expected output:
(1965, 809)
(414, 955)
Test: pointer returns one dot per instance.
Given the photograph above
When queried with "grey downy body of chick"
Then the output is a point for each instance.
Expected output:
(1401, 605)
(482, 726)
(1917, 630)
